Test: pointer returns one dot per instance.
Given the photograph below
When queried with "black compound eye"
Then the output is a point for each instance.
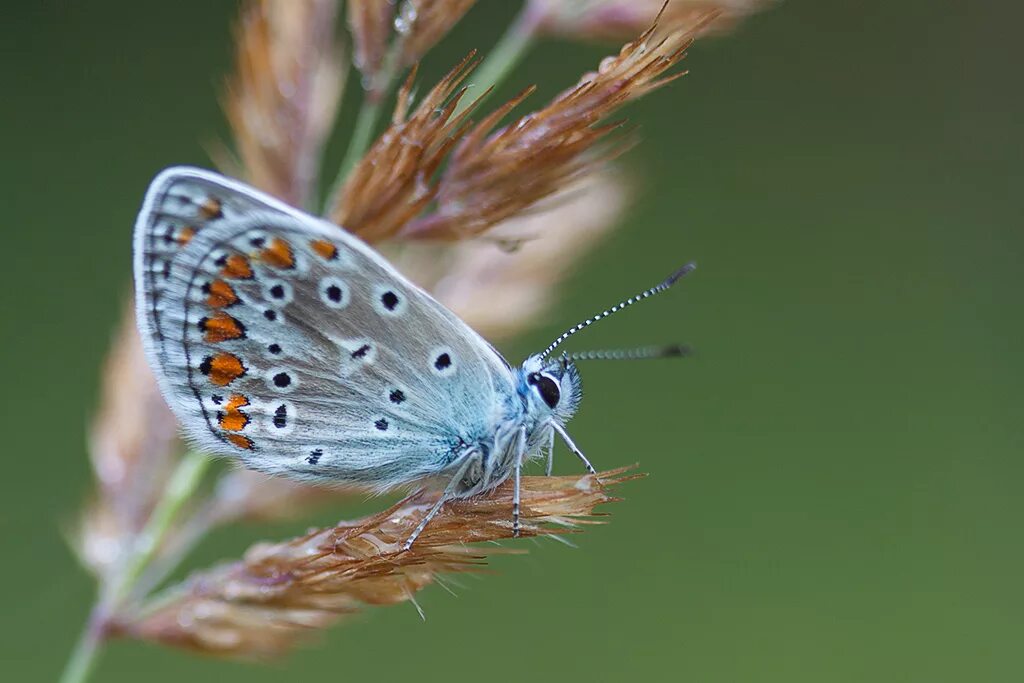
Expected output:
(546, 387)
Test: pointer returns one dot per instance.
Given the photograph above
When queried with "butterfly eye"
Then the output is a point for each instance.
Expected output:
(546, 387)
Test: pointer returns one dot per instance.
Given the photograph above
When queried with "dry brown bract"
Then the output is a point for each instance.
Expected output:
(272, 598)
(282, 98)
(393, 182)
(494, 175)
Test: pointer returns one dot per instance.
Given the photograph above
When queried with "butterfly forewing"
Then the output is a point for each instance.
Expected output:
(287, 342)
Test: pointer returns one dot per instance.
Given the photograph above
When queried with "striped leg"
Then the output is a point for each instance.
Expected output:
(447, 495)
(551, 452)
(573, 448)
(520, 451)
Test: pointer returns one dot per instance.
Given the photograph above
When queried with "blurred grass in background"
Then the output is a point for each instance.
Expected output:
(835, 477)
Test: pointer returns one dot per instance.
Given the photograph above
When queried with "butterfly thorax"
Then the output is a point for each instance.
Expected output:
(546, 393)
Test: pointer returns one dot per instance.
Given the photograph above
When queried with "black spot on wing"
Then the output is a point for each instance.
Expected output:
(281, 416)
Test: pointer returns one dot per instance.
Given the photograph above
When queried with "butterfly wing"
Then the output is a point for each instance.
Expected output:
(285, 341)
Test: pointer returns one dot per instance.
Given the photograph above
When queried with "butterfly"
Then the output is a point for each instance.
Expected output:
(283, 341)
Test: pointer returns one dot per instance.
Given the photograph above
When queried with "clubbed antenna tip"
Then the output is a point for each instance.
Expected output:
(676, 351)
(685, 270)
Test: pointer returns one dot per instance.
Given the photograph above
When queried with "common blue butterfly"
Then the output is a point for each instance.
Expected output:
(282, 340)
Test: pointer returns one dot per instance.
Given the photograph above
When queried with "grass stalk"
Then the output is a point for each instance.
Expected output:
(182, 484)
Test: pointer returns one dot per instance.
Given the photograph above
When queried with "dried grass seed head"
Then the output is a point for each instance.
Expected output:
(496, 174)
(273, 598)
(283, 95)
(393, 182)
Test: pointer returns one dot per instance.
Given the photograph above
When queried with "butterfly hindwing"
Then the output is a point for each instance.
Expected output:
(287, 342)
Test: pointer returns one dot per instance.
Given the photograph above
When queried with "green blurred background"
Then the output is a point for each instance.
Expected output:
(835, 478)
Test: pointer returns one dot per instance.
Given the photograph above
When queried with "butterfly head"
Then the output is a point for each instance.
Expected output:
(551, 387)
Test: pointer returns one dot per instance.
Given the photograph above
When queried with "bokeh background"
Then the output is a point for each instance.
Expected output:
(835, 478)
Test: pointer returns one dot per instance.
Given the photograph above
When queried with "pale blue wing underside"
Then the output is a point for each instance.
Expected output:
(285, 341)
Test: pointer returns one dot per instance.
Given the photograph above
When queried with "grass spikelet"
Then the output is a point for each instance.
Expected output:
(497, 173)
(271, 599)
(393, 182)
(282, 98)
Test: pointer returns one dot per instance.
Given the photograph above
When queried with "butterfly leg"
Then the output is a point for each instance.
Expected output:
(448, 494)
(568, 442)
(520, 451)
(551, 452)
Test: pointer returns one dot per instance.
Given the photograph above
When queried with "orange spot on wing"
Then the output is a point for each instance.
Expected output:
(325, 249)
(220, 295)
(237, 267)
(211, 209)
(278, 254)
(243, 442)
(222, 369)
(232, 418)
(236, 401)
(221, 327)
(185, 235)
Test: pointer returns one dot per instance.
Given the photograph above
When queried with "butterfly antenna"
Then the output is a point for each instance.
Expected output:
(657, 289)
(672, 351)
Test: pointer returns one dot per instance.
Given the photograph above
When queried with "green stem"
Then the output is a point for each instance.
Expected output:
(180, 487)
(85, 655)
(187, 535)
(362, 136)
